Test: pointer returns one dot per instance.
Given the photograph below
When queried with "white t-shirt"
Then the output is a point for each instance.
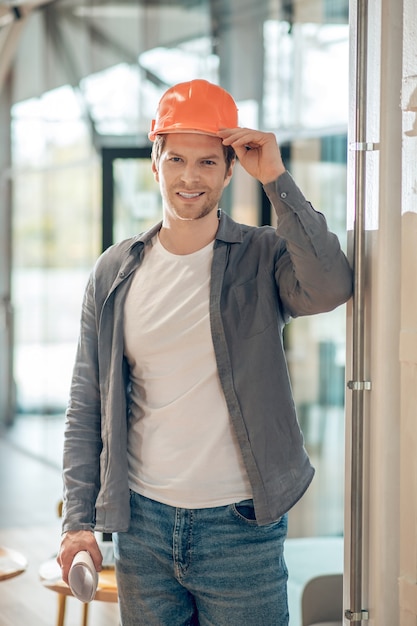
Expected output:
(182, 450)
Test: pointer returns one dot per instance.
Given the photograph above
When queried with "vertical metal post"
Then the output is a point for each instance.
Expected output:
(358, 385)
(7, 384)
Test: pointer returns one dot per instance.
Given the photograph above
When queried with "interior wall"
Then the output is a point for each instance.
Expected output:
(383, 266)
(408, 337)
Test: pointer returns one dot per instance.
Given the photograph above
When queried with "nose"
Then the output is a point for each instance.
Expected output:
(190, 173)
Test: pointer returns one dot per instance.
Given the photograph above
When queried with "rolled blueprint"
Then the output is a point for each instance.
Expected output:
(83, 578)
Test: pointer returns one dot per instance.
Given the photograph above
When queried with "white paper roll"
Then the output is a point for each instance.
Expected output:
(83, 578)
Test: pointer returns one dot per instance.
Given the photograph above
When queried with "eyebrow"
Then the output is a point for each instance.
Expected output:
(208, 157)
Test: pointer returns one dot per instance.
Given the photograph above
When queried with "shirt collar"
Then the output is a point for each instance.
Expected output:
(229, 231)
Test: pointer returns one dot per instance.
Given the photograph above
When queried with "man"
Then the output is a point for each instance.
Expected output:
(181, 434)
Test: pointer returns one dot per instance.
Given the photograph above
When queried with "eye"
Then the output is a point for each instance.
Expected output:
(175, 159)
(209, 162)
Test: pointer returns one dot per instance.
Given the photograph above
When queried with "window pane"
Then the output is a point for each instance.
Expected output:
(137, 201)
(56, 234)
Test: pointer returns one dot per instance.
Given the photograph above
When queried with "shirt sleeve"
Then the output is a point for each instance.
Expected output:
(82, 439)
(313, 275)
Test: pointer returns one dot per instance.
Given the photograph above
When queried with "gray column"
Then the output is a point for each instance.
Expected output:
(240, 46)
(7, 387)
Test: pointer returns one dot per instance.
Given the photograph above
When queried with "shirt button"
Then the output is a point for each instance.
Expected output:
(121, 274)
(284, 194)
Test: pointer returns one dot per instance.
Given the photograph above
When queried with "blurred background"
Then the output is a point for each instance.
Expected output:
(85, 82)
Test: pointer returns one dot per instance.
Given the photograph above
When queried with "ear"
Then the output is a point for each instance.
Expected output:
(229, 174)
(155, 171)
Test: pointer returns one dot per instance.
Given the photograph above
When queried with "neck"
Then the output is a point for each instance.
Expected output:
(188, 236)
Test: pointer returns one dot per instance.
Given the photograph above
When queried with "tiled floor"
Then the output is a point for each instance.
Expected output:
(30, 488)
(30, 474)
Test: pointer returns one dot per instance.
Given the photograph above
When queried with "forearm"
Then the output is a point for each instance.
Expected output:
(314, 275)
(81, 476)
(82, 436)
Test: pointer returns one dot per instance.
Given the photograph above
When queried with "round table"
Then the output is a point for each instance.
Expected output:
(50, 575)
(12, 563)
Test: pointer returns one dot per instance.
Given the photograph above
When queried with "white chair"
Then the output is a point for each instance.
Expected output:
(322, 601)
(12, 563)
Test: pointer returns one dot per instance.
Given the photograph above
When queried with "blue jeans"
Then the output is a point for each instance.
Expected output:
(208, 567)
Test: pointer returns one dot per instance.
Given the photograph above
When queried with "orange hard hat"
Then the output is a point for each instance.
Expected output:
(196, 106)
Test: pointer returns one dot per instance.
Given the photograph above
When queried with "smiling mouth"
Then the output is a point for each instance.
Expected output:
(190, 196)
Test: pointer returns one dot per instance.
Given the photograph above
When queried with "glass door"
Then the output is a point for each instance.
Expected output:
(316, 346)
(131, 198)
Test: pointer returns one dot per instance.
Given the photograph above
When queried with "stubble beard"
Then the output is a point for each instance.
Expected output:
(203, 213)
(205, 210)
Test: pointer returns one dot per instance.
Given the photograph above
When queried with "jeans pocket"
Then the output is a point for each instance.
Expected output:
(245, 511)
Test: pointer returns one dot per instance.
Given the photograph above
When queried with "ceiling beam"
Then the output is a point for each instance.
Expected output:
(13, 19)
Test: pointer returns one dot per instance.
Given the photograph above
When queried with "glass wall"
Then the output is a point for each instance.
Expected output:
(137, 203)
(316, 346)
(56, 234)
(87, 77)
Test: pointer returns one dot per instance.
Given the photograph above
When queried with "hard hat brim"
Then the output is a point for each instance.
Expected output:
(192, 131)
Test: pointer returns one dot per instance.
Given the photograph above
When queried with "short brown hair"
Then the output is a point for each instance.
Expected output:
(159, 144)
